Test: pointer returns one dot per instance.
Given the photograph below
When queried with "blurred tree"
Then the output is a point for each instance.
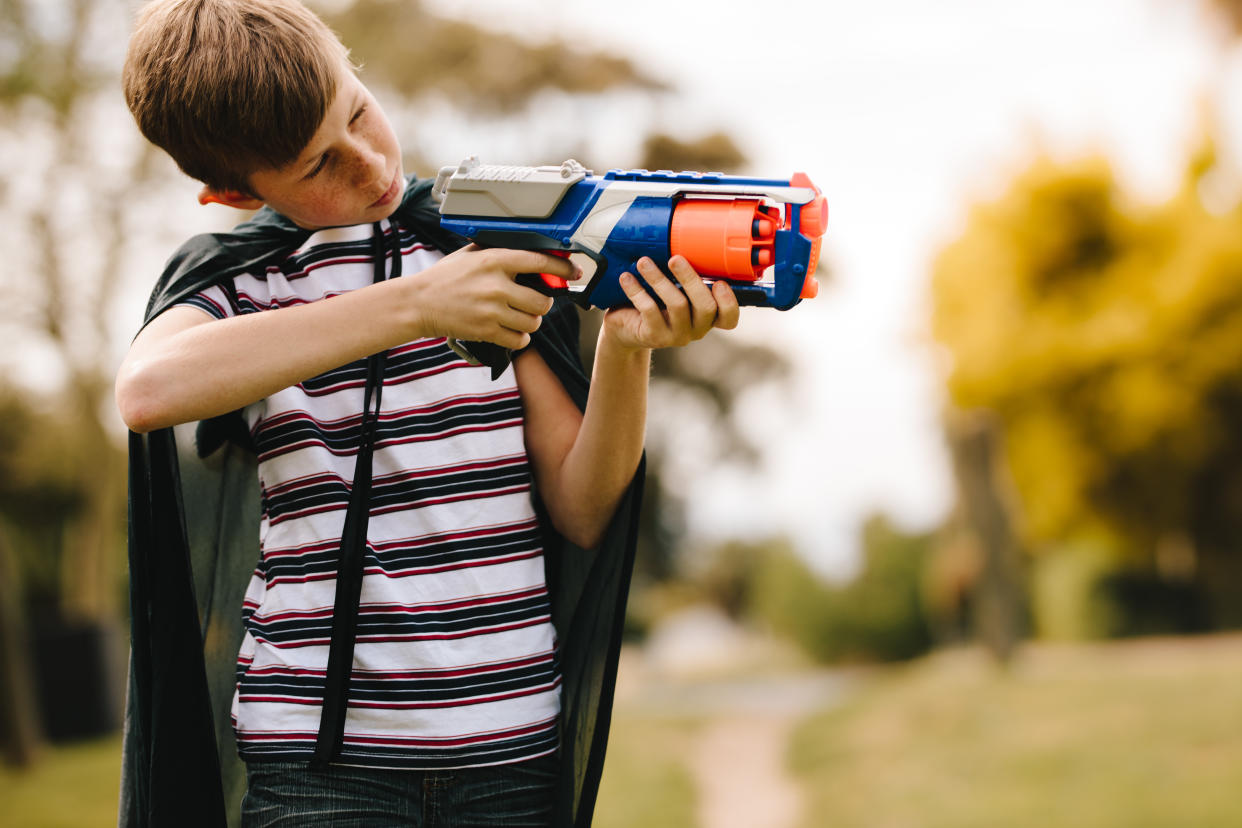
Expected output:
(1230, 14)
(417, 53)
(715, 152)
(883, 607)
(65, 207)
(696, 392)
(997, 593)
(1106, 339)
(65, 211)
(490, 81)
(19, 721)
(879, 615)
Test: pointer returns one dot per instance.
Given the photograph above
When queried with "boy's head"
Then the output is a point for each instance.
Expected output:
(228, 86)
(231, 88)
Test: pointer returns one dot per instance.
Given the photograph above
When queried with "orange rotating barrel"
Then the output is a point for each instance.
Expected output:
(730, 239)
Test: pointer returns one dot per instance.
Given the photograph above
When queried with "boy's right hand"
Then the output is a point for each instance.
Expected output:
(186, 365)
(471, 295)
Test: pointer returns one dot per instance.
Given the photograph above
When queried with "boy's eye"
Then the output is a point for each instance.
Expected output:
(323, 161)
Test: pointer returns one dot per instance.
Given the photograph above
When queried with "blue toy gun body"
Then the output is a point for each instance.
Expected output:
(762, 235)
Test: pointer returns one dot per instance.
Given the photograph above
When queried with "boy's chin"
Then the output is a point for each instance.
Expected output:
(366, 215)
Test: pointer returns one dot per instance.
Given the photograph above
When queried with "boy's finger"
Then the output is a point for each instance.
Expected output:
(728, 313)
(516, 320)
(529, 300)
(702, 305)
(514, 340)
(642, 301)
(689, 279)
(505, 337)
(532, 261)
(676, 305)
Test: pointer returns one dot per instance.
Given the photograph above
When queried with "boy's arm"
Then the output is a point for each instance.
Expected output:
(187, 366)
(584, 461)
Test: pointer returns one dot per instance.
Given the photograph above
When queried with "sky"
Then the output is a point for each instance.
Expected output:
(904, 112)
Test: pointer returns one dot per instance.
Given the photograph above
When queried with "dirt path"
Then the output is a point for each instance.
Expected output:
(737, 756)
(747, 698)
(739, 768)
(738, 759)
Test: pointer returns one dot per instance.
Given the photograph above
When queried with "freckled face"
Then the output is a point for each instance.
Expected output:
(349, 172)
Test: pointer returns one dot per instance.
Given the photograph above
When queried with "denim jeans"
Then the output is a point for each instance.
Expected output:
(292, 795)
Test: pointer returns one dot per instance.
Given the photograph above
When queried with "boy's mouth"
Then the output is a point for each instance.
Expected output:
(393, 189)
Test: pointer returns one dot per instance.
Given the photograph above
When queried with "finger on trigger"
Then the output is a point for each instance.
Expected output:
(558, 266)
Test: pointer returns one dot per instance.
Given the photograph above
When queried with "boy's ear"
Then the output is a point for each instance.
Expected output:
(229, 198)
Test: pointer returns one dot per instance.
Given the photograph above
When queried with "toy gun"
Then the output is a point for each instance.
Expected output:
(761, 235)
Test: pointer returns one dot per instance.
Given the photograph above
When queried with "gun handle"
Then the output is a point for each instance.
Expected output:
(492, 355)
(483, 353)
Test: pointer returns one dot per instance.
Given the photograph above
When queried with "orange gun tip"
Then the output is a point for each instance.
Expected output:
(812, 223)
(812, 216)
(810, 287)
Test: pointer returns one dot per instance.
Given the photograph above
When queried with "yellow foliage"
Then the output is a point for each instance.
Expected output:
(1104, 335)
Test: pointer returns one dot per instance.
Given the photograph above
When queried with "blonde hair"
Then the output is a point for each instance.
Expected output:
(227, 87)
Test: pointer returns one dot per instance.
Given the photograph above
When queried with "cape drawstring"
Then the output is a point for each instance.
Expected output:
(354, 541)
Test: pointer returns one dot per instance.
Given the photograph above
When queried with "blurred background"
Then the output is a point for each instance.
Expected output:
(958, 542)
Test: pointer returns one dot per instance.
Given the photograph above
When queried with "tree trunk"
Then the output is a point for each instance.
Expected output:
(20, 734)
(999, 605)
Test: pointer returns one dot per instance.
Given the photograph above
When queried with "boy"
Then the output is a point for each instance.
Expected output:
(399, 663)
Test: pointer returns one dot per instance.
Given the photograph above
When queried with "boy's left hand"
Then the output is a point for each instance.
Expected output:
(688, 314)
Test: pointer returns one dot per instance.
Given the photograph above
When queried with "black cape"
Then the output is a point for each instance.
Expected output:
(193, 544)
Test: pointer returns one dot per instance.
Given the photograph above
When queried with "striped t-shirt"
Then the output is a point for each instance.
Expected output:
(455, 661)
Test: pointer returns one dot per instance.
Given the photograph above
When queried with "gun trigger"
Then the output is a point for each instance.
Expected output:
(545, 283)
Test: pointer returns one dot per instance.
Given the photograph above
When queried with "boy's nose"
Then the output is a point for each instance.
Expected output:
(370, 167)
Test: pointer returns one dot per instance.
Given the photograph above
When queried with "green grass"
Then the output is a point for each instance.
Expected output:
(646, 781)
(72, 786)
(1132, 734)
(1144, 734)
